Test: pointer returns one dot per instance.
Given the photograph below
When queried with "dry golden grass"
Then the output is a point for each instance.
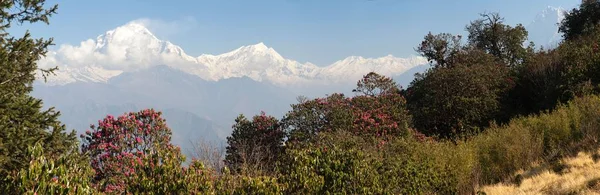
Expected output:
(580, 176)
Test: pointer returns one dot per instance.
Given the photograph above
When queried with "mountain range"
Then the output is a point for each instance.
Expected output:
(128, 69)
(133, 47)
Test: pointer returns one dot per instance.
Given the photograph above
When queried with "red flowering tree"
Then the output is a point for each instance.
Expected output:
(255, 144)
(121, 147)
(380, 116)
(378, 111)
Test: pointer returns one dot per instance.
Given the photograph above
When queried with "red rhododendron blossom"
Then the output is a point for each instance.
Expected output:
(117, 149)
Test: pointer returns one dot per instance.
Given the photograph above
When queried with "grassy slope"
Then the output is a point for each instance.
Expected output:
(581, 175)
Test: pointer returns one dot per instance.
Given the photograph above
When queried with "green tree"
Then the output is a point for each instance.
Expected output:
(310, 117)
(450, 102)
(491, 35)
(539, 84)
(580, 62)
(23, 122)
(441, 49)
(254, 145)
(581, 21)
(374, 84)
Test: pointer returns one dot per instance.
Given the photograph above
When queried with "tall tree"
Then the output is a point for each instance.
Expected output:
(491, 35)
(581, 21)
(440, 49)
(451, 102)
(23, 122)
(374, 84)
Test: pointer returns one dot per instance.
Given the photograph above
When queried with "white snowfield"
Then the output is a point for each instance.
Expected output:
(133, 47)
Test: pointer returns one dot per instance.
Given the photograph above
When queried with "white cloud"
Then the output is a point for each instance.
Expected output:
(168, 29)
(128, 47)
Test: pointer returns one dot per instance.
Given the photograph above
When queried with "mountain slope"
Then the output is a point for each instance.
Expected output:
(581, 176)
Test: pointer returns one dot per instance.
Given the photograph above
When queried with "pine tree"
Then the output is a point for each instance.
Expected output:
(23, 122)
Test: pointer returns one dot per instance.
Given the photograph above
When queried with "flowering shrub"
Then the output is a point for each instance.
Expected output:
(121, 147)
(378, 116)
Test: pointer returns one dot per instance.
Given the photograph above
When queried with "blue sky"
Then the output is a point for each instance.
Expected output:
(317, 31)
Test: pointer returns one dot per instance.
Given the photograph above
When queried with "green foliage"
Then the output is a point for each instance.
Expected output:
(256, 185)
(581, 21)
(69, 174)
(198, 179)
(547, 137)
(349, 164)
(373, 84)
(23, 122)
(539, 85)
(441, 49)
(411, 167)
(309, 117)
(254, 144)
(581, 62)
(452, 102)
(491, 35)
(328, 168)
(502, 151)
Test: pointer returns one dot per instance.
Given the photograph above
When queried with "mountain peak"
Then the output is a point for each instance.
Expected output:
(260, 46)
(259, 49)
(125, 33)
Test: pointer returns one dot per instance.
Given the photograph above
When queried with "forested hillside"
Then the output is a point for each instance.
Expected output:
(490, 106)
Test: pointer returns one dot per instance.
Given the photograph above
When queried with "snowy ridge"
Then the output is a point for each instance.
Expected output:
(356, 66)
(543, 31)
(132, 47)
(257, 62)
(557, 13)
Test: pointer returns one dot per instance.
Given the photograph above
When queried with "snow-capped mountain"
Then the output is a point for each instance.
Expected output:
(356, 66)
(543, 31)
(258, 62)
(132, 47)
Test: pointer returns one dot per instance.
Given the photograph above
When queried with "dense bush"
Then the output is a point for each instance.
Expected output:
(68, 174)
(378, 111)
(539, 85)
(452, 102)
(546, 137)
(255, 144)
(581, 21)
(329, 166)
